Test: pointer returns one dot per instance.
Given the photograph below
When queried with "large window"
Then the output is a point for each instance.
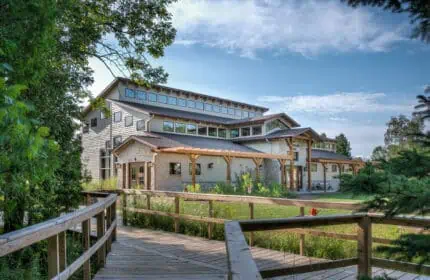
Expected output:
(172, 100)
(208, 107)
(245, 114)
(222, 133)
(275, 124)
(296, 156)
(141, 95)
(257, 130)
(191, 104)
(198, 169)
(117, 116)
(152, 97)
(129, 93)
(174, 168)
(104, 164)
(216, 108)
(162, 98)
(117, 140)
(245, 131)
(224, 110)
(191, 129)
(199, 105)
(94, 122)
(234, 132)
(231, 111)
(140, 125)
(182, 102)
(251, 114)
(334, 168)
(203, 130)
(314, 167)
(212, 131)
(179, 127)
(238, 113)
(168, 126)
(128, 121)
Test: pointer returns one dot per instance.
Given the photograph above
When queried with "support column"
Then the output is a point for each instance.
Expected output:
(340, 169)
(291, 152)
(354, 169)
(228, 170)
(147, 170)
(193, 159)
(154, 172)
(258, 162)
(309, 158)
(324, 165)
(124, 176)
(283, 162)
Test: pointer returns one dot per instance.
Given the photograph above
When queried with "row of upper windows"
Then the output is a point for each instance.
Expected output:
(193, 129)
(324, 146)
(117, 117)
(334, 168)
(186, 103)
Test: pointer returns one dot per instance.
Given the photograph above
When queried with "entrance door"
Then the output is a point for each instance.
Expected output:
(137, 175)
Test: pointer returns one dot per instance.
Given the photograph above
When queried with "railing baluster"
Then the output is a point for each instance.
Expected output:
(364, 247)
(177, 212)
(86, 232)
(62, 250)
(53, 256)
(101, 253)
(302, 236)
(251, 216)
(148, 202)
(108, 224)
(114, 219)
(124, 209)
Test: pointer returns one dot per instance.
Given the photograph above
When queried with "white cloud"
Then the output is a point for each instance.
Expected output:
(305, 27)
(335, 103)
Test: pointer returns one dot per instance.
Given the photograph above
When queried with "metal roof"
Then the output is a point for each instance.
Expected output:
(282, 133)
(322, 154)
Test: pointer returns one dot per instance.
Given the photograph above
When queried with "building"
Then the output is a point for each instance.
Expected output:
(165, 139)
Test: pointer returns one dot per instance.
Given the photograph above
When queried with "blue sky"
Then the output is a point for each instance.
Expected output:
(330, 67)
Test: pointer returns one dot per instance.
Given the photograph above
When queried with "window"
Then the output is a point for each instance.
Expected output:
(296, 156)
(245, 131)
(108, 145)
(162, 99)
(172, 100)
(198, 169)
(203, 130)
(275, 124)
(102, 115)
(213, 131)
(179, 127)
(128, 121)
(238, 113)
(257, 130)
(208, 107)
(117, 116)
(245, 114)
(168, 126)
(199, 105)
(86, 128)
(222, 132)
(251, 114)
(182, 102)
(117, 140)
(129, 93)
(152, 97)
(314, 167)
(215, 108)
(231, 111)
(191, 104)
(174, 168)
(224, 110)
(93, 122)
(104, 164)
(140, 125)
(141, 95)
(191, 129)
(234, 132)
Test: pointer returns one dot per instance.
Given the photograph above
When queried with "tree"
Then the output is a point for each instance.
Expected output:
(402, 131)
(342, 145)
(379, 154)
(418, 11)
(423, 113)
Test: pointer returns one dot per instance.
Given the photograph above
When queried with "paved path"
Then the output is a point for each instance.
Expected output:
(149, 254)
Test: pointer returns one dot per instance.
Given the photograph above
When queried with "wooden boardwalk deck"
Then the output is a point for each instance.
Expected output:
(148, 254)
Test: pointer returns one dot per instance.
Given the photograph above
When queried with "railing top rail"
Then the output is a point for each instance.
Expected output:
(22, 238)
(404, 220)
(250, 199)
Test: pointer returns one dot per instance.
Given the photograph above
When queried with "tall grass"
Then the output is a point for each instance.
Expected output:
(101, 185)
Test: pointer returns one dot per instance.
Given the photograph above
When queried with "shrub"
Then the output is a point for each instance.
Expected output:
(195, 189)
(223, 188)
(101, 185)
(367, 181)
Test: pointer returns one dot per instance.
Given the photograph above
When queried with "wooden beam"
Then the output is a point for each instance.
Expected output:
(302, 236)
(177, 210)
(309, 159)
(291, 151)
(251, 217)
(193, 159)
(147, 184)
(101, 253)
(364, 247)
(283, 163)
(53, 257)
(228, 160)
(257, 162)
(62, 250)
(325, 176)
(86, 242)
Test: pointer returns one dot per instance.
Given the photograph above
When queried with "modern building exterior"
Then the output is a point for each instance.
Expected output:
(165, 139)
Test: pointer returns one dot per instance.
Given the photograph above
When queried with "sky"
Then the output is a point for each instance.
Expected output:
(329, 66)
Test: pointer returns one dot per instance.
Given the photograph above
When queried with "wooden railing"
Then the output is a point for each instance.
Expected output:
(242, 266)
(54, 231)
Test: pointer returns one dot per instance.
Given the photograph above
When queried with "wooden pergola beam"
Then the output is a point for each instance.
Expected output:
(193, 159)
(283, 163)
(258, 162)
(291, 151)
(228, 160)
(308, 161)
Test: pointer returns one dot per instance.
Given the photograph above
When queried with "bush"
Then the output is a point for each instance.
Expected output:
(367, 181)
(101, 185)
(195, 189)
(223, 188)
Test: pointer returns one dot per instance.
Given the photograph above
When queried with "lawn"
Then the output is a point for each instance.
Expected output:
(338, 197)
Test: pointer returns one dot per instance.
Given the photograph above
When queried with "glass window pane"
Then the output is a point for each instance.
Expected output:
(93, 122)
(257, 130)
(213, 131)
(222, 132)
(246, 131)
(231, 111)
(175, 168)
(117, 116)
(251, 114)
(140, 125)
(224, 110)
(117, 140)
(199, 105)
(203, 130)
(238, 113)
(191, 104)
(129, 93)
(162, 98)
(129, 121)
(208, 107)
(168, 126)
(182, 102)
(216, 108)
(172, 100)
(245, 114)
(141, 95)
(234, 132)
(191, 128)
(179, 127)
(152, 97)
(198, 169)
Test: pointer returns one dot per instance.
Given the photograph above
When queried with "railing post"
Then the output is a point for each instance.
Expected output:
(364, 247)
(251, 216)
(211, 214)
(177, 212)
(62, 250)
(108, 224)
(88, 202)
(302, 236)
(101, 253)
(53, 257)
(148, 202)
(124, 209)
(114, 218)
(86, 231)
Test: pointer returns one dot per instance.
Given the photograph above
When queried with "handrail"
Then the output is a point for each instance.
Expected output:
(54, 231)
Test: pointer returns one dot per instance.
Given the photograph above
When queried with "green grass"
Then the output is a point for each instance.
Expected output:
(101, 185)
(341, 197)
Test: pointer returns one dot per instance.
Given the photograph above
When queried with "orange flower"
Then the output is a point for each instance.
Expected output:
(314, 212)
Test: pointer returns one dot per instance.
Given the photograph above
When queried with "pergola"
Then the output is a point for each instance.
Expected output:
(228, 155)
(355, 164)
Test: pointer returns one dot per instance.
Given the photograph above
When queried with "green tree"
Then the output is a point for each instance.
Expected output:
(342, 145)
(379, 153)
(423, 113)
(401, 131)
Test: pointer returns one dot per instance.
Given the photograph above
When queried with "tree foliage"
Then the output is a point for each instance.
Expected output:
(401, 131)
(342, 145)
(367, 181)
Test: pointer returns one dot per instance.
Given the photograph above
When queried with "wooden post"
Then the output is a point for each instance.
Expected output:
(211, 214)
(302, 236)
(228, 170)
(147, 184)
(88, 199)
(101, 253)
(291, 151)
(309, 159)
(283, 162)
(193, 159)
(114, 219)
(62, 250)
(177, 212)
(325, 176)
(251, 216)
(86, 231)
(258, 162)
(148, 202)
(108, 224)
(124, 176)
(53, 257)
(364, 246)
(340, 169)
(124, 209)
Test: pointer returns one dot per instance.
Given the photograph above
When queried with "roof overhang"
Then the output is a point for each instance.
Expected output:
(131, 140)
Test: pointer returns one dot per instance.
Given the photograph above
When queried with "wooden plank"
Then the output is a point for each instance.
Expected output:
(302, 236)
(241, 265)
(180, 216)
(124, 208)
(177, 210)
(108, 224)
(62, 251)
(251, 216)
(364, 247)
(307, 221)
(86, 230)
(402, 266)
(409, 221)
(53, 257)
(211, 214)
(101, 253)
(22, 238)
(305, 268)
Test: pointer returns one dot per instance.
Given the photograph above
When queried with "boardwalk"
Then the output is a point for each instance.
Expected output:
(149, 254)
